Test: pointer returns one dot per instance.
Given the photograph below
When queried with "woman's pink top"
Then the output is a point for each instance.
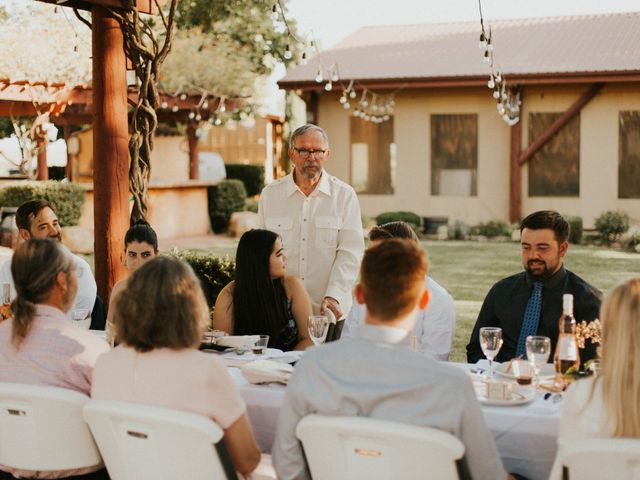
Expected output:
(185, 379)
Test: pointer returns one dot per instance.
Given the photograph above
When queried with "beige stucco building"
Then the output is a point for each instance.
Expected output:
(438, 146)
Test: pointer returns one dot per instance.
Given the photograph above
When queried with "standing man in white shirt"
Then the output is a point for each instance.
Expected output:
(36, 219)
(318, 219)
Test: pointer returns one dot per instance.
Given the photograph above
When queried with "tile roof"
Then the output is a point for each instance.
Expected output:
(532, 46)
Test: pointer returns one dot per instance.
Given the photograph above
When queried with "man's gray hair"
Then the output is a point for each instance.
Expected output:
(309, 127)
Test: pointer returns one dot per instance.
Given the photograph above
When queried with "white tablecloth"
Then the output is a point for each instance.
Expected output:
(525, 434)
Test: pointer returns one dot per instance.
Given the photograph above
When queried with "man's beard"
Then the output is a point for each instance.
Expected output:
(541, 273)
(311, 172)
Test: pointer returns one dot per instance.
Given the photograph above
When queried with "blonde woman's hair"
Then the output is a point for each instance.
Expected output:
(162, 306)
(34, 267)
(620, 364)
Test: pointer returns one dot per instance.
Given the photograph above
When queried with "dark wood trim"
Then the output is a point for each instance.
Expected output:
(556, 126)
(474, 81)
(110, 150)
(144, 6)
(515, 174)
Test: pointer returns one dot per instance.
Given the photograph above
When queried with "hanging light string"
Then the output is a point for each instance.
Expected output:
(507, 97)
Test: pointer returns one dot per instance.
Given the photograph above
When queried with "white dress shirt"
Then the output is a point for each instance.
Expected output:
(375, 374)
(434, 326)
(87, 289)
(321, 234)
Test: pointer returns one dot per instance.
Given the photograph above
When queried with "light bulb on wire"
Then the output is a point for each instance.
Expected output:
(274, 12)
(328, 86)
(287, 52)
(319, 76)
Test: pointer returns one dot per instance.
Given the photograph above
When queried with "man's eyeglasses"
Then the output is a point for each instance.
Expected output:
(306, 153)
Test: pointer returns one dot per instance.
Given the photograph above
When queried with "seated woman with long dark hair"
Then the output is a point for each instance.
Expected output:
(263, 300)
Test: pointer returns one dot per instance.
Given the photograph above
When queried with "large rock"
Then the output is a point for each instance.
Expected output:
(78, 239)
(242, 222)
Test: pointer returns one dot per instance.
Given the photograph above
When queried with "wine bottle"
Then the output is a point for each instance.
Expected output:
(566, 354)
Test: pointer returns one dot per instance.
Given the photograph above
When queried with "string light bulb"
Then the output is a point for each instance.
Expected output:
(174, 109)
(334, 76)
(328, 86)
(319, 76)
(482, 44)
(274, 12)
(352, 94)
(303, 58)
(205, 105)
(491, 84)
(346, 105)
(198, 117)
(183, 97)
(287, 52)
(164, 104)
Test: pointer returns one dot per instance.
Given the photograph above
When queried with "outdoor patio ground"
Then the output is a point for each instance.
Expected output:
(469, 269)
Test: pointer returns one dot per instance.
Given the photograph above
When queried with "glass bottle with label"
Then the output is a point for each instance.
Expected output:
(566, 354)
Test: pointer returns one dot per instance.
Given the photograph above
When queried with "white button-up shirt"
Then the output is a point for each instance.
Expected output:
(321, 234)
(434, 326)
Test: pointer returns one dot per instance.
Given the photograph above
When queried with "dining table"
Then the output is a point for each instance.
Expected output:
(525, 434)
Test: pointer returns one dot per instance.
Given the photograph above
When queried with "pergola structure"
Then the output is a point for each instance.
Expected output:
(110, 137)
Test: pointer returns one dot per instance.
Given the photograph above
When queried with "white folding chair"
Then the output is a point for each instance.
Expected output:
(599, 458)
(41, 428)
(140, 442)
(367, 448)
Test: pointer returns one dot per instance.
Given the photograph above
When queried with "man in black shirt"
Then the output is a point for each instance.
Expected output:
(544, 241)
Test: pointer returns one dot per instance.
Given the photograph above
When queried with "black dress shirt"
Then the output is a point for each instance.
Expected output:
(507, 300)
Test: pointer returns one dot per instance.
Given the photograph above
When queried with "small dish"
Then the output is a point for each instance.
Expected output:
(547, 372)
(517, 398)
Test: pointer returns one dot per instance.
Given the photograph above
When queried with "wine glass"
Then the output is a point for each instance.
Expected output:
(490, 342)
(318, 326)
(538, 351)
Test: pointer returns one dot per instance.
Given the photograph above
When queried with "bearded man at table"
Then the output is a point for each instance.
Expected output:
(530, 302)
(376, 374)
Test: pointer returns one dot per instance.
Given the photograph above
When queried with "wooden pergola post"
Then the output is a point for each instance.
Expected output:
(192, 138)
(110, 149)
(41, 142)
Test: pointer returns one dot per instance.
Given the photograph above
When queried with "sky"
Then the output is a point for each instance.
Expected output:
(329, 21)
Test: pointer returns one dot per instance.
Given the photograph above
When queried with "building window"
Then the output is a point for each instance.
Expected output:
(554, 171)
(373, 156)
(454, 155)
(629, 155)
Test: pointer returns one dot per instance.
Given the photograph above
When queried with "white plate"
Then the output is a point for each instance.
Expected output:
(547, 372)
(250, 356)
(517, 398)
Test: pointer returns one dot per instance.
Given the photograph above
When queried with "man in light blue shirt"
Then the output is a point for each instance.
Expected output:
(375, 374)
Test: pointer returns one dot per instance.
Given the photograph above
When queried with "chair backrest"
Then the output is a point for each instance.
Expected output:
(367, 448)
(600, 458)
(41, 428)
(140, 442)
(98, 315)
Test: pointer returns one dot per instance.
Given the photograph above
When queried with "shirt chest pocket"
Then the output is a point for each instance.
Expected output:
(283, 226)
(327, 229)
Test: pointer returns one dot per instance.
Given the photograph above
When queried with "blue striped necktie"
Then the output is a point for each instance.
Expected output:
(531, 319)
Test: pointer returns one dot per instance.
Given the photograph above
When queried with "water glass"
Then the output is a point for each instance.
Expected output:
(318, 326)
(490, 342)
(538, 351)
(261, 345)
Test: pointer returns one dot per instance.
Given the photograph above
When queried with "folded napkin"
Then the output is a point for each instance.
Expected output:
(264, 371)
(237, 341)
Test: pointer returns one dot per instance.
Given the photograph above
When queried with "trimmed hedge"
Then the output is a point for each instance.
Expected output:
(612, 225)
(66, 198)
(491, 229)
(411, 218)
(251, 175)
(225, 198)
(214, 272)
(575, 229)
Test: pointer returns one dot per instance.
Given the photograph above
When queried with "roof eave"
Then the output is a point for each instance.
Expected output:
(473, 81)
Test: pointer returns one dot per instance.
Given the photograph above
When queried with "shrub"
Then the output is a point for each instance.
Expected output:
(251, 175)
(576, 230)
(66, 198)
(225, 198)
(214, 272)
(494, 228)
(411, 218)
(612, 224)
(458, 231)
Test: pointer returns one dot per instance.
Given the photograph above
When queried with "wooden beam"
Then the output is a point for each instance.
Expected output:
(515, 178)
(192, 139)
(143, 6)
(556, 126)
(110, 150)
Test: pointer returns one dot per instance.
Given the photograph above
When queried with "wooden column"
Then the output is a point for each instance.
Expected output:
(68, 171)
(192, 139)
(515, 175)
(110, 150)
(43, 170)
